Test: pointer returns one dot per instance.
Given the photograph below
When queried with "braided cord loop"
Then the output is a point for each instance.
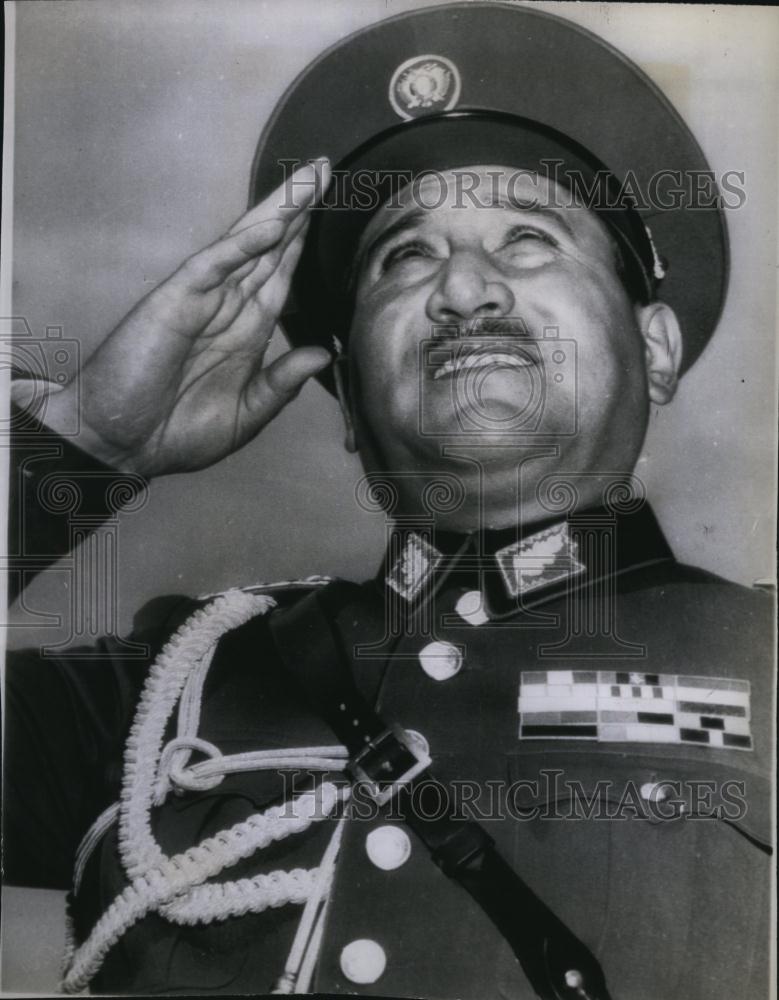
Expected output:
(175, 886)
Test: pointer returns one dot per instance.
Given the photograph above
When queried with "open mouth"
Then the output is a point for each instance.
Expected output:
(494, 358)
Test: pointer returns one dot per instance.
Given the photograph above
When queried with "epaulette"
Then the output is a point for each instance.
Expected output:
(160, 617)
(280, 587)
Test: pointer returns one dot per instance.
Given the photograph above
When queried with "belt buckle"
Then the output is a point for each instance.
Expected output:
(387, 763)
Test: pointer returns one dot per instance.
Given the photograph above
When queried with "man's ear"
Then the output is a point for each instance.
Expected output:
(662, 350)
(341, 376)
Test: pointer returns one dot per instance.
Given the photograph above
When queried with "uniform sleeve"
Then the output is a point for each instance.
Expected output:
(51, 480)
(66, 724)
(64, 718)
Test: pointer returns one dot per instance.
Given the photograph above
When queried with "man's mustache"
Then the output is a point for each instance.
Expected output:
(484, 326)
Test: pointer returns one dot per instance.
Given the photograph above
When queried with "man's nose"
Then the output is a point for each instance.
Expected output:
(469, 286)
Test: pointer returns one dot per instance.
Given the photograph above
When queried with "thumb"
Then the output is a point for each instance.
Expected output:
(272, 387)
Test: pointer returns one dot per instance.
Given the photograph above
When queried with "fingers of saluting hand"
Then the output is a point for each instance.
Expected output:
(302, 189)
(269, 280)
(274, 386)
(269, 226)
(253, 275)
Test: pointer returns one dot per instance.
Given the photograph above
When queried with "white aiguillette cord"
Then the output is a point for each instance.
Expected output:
(174, 886)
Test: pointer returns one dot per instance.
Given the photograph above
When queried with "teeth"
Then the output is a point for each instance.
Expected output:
(493, 359)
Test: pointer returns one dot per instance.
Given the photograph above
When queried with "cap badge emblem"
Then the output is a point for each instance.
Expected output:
(422, 83)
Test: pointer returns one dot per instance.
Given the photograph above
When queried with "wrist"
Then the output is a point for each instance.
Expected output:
(57, 409)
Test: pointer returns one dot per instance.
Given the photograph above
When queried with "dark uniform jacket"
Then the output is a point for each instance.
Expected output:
(610, 727)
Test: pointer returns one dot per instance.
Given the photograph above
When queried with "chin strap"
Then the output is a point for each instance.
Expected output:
(391, 766)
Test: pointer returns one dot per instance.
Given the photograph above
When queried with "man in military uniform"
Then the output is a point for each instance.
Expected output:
(532, 755)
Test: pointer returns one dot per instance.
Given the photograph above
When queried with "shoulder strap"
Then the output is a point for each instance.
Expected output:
(557, 964)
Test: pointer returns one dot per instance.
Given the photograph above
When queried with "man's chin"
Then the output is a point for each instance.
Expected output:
(491, 419)
(494, 452)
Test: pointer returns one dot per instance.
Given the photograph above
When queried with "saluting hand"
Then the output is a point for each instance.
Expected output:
(180, 383)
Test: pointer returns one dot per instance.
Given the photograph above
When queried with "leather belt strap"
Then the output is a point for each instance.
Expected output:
(557, 964)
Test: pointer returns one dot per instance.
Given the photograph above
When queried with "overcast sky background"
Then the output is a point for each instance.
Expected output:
(135, 130)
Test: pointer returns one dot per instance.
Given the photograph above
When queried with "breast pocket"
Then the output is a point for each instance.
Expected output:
(659, 865)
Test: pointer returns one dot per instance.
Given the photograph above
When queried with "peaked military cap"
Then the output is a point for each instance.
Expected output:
(469, 83)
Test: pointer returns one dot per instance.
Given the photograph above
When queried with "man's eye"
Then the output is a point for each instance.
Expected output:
(529, 234)
(405, 251)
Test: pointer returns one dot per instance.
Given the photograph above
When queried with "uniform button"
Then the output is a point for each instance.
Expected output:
(653, 791)
(418, 741)
(441, 660)
(471, 608)
(363, 961)
(388, 847)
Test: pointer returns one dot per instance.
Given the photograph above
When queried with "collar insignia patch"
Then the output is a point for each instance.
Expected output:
(422, 83)
(613, 707)
(539, 560)
(414, 566)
